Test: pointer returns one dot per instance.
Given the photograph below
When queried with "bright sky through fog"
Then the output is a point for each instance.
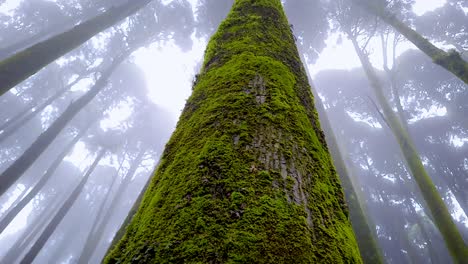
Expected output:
(169, 71)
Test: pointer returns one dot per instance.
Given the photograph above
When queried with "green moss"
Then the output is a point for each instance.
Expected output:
(219, 194)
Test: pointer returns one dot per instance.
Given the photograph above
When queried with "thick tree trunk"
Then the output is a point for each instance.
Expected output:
(13, 173)
(101, 222)
(246, 176)
(22, 65)
(438, 209)
(50, 228)
(451, 61)
(14, 211)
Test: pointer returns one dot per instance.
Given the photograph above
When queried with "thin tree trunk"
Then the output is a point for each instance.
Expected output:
(438, 209)
(370, 251)
(22, 65)
(14, 172)
(28, 235)
(12, 125)
(97, 232)
(14, 211)
(50, 228)
(121, 231)
(451, 61)
(246, 176)
(19, 117)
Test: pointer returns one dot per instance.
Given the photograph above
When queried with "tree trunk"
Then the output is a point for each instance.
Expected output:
(439, 211)
(246, 176)
(50, 228)
(30, 233)
(25, 43)
(451, 61)
(368, 247)
(101, 222)
(13, 173)
(14, 211)
(22, 65)
(12, 125)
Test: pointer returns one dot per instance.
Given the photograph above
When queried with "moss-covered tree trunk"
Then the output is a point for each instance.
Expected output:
(246, 176)
(451, 61)
(438, 209)
(25, 63)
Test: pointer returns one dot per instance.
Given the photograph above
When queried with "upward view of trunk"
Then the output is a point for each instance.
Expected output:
(14, 172)
(12, 125)
(438, 209)
(365, 237)
(451, 61)
(30, 232)
(246, 176)
(22, 65)
(30, 111)
(50, 228)
(368, 246)
(98, 229)
(14, 211)
(25, 43)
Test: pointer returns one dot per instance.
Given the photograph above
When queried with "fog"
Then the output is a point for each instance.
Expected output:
(81, 136)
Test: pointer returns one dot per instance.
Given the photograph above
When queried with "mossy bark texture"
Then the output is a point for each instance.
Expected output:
(24, 64)
(451, 61)
(246, 176)
(438, 209)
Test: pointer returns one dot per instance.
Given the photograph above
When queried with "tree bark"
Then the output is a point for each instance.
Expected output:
(12, 125)
(29, 234)
(451, 61)
(246, 176)
(438, 209)
(14, 211)
(101, 222)
(50, 228)
(22, 65)
(13, 173)
(368, 246)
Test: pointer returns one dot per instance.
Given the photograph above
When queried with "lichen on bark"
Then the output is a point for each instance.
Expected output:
(246, 177)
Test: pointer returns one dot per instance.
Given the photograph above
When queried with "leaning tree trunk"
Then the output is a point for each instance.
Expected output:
(451, 61)
(370, 251)
(12, 125)
(368, 246)
(99, 227)
(439, 211)
(246, 176)
(27, 42)
(30, 232)
(26, 63)
(50, 228)
(13, 173)
(14, 211)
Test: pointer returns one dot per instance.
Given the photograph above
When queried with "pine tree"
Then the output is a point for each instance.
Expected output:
(246, 176)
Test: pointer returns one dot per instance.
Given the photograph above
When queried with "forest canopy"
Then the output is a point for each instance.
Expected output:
(216, 123)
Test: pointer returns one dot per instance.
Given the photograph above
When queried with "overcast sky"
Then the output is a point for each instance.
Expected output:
(169, 71)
